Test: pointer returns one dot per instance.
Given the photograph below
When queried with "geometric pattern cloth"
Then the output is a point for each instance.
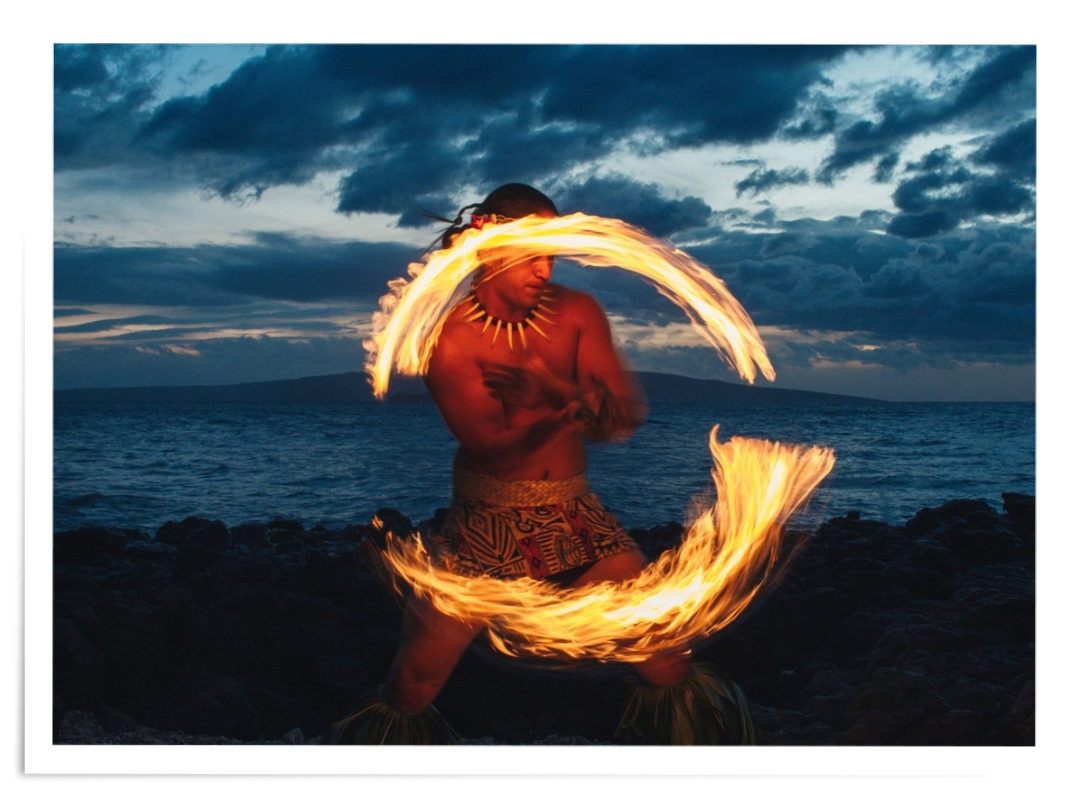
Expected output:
(514, 529)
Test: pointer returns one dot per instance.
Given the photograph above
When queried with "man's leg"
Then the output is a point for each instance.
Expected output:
(401, 713)
(663, 669)
(683, 702)
(431, 645)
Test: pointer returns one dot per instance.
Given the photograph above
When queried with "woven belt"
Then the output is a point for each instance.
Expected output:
(517, 494)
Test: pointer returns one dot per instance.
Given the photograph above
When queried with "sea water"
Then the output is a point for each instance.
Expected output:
(140, 465)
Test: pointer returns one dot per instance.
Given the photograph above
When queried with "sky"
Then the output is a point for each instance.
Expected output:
(231, 213)
(227, 213)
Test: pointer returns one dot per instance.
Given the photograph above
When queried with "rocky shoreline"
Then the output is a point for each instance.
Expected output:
(916, 634)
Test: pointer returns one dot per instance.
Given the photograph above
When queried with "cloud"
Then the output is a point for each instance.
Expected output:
(862, 296)
(430, 121)
(239, 359)
(815, 118)
(941, 192)
(1012, 151)
(100, 97)
(273, 266)
(396, 129)
(764, 180)
(638, 203)
(1002, 83)
(886, 165)
(273, 122)
(974, 290)
(687, 95)
(181, 350)
(786, 242)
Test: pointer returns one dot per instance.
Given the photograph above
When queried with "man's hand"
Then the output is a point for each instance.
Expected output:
(604, 416)
(530, 386)
(594, 408)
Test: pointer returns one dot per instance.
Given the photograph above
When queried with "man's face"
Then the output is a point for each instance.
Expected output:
(522, 284)
(521, 281)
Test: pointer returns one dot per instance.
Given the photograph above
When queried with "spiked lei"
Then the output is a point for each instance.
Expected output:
(537, 312)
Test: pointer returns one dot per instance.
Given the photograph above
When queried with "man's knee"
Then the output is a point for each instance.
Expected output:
(431, 646)
(413, 687)
(619, 567)
(666, 669)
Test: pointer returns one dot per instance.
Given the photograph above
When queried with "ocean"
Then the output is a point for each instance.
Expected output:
(141, 465)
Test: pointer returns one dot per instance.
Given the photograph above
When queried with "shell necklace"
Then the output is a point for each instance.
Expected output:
(537, 312)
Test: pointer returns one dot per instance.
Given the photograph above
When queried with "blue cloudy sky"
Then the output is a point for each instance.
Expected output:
(228, 213)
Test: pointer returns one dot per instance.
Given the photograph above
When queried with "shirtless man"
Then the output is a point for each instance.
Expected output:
(521, 401)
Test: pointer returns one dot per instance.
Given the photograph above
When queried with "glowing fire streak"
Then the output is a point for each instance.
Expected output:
(683, 597)
(406, 329)
(728, 553)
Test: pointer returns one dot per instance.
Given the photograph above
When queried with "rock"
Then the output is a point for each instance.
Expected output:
(928, 520)
(1020, 511)
(250, 535)
(196, 533)
(918, 634)
(88, 545)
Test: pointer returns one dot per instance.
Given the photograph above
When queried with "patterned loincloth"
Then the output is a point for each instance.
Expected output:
(513, 529)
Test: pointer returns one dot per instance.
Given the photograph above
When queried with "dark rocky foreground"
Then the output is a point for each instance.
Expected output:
(920, 634)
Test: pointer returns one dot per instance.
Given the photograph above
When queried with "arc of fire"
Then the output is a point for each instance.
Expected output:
(406, 327)
(727, 554)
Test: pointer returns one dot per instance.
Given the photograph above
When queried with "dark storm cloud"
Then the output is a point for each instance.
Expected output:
(99, 95)
(898, 281)
(1001, 85)
(868, 297)
(941, 192)
(641, 204)
(787, 242)
(763, 180)
(897, 354)
(272, 122)
(766, 217)
(816, 118)
(687, 95)
(1012, 151)
(274, 266)
(972, 292)
(417, 125)
(885, 167)
(858, 349)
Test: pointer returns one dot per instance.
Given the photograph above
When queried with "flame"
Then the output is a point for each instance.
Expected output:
(408, 325)
(727, 555)
(689, 593)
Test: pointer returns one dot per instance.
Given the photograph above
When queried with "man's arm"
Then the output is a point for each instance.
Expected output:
(474, 412)
(608, 389)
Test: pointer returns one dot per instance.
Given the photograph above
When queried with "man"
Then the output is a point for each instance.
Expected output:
(523, 371)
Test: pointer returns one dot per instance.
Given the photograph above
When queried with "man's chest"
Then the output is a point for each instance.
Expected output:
(526, 350)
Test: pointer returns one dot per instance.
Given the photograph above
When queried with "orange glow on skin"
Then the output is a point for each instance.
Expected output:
(688, 594)
(728, 553)
(407, 327)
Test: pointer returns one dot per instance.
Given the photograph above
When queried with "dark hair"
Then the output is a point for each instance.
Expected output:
(511, 200)
(516, 200)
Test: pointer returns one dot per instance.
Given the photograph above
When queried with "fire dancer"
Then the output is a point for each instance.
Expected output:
(524, 370)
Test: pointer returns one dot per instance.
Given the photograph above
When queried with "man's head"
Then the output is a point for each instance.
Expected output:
(516, 200)
(509, 201)
(517, 282)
